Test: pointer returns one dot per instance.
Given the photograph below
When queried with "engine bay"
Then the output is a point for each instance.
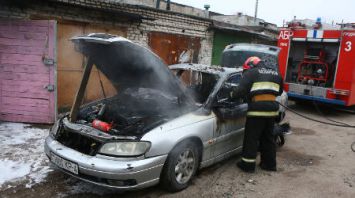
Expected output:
(133, 112)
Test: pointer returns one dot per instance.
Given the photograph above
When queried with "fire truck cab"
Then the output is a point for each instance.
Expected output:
(318, 64)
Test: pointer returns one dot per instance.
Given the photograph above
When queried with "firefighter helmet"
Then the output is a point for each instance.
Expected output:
(251, 62)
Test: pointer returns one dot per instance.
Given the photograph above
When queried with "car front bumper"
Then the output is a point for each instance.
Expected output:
(119, 173)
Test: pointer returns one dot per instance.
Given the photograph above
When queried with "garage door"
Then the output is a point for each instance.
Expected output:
(27, 81)
(169, 47)
(71, 64)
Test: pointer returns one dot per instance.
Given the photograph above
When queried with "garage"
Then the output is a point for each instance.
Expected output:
(30, 79)
(71, 64)
(27, 71)
(169, 47)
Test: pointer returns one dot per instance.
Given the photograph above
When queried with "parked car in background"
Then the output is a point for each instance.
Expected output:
(234, 55)
(162, 125)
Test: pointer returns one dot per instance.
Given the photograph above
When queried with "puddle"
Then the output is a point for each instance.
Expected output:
(302, 131)
(293, 157)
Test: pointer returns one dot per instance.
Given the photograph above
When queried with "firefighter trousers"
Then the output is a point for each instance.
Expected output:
(259, 136)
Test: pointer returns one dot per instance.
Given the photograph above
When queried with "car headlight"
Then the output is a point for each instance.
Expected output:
(125, 148)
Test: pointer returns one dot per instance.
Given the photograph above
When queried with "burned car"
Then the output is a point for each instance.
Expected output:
(161, 126)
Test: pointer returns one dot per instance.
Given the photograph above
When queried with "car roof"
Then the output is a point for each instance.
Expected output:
(269, 49)
(212, 69)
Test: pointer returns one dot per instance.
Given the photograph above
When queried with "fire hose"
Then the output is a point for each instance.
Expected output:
(339, 124)
(315, 120)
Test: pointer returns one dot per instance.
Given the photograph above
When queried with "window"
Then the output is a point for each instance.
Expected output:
(237, 58)
(223, 95)
(199, 84)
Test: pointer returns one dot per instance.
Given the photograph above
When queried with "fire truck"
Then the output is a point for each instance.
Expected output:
(318, 64)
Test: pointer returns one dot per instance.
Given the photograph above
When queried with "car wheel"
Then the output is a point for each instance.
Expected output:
(279, 140)
(180, 167)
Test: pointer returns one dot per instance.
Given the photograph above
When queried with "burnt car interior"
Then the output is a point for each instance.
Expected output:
(198, 84)
(225, 107)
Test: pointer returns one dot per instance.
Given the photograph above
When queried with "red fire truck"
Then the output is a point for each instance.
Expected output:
(319, 64)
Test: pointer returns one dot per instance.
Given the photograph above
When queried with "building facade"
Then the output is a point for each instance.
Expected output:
(168, 33)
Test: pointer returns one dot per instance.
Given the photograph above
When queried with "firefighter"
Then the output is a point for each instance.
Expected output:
(261, 84)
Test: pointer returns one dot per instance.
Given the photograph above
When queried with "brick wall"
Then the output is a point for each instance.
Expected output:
(153, 20)
(175, 25)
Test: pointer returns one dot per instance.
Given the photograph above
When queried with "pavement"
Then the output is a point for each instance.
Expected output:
(316, 161)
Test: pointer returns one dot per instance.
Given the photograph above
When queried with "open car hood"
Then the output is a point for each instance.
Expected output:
(128, 65)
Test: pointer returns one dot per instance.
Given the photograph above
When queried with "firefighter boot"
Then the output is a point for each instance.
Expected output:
(267, 168)
(248, 167)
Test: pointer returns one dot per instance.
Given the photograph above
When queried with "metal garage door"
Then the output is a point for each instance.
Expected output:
(27, 84)
(169, 47)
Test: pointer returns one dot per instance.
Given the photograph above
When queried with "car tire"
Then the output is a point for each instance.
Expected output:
(180, 166)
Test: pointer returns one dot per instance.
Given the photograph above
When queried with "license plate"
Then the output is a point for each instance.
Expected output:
(65, 164)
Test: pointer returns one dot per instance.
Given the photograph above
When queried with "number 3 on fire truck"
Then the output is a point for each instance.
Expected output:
(348, 46)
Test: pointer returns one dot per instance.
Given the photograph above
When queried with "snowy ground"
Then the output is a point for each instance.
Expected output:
(22, 160)
(23, 163)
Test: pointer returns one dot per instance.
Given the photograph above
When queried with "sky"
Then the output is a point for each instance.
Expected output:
(275, 11)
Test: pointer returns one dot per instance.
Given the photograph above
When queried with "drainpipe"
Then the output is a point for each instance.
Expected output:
(158, 4)
(168, 5)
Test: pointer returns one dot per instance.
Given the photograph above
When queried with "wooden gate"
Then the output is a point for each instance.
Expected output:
(71, 64)
(27, 65)
(169, 47)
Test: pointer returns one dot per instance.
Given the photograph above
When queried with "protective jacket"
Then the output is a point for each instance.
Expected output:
(261, 85)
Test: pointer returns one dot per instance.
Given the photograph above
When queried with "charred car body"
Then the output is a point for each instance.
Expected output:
(161, 126)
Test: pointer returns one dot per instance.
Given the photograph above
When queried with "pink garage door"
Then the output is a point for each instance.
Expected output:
(27, 81)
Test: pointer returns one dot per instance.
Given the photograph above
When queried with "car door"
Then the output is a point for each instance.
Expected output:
(231, 116)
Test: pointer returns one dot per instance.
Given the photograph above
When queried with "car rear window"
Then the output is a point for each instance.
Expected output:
(237, 58)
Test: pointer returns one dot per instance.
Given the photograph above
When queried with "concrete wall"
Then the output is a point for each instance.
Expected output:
(242, 20)
(245, 20)
(176, 7)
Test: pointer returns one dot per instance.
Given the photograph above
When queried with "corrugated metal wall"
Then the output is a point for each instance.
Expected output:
(70, 65)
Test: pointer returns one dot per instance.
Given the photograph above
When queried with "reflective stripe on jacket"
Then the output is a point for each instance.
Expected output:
(261, 86)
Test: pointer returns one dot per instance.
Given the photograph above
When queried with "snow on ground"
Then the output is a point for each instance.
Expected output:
(22, 159)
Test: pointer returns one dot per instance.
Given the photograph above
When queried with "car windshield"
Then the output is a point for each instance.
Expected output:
(199, 84)
(237, 58)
